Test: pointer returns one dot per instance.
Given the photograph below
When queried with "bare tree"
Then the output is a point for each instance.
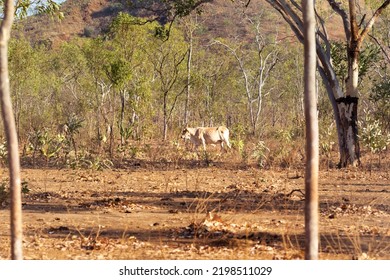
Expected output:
(312, 138)
(168, 60)
(255, 75)
(11, 135)
(190, 24)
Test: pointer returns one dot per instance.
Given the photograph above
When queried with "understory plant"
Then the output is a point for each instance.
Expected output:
(372, 136)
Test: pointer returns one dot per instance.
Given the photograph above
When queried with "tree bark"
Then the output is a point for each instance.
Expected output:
(10, 133)
(312, 138)
(348, 130)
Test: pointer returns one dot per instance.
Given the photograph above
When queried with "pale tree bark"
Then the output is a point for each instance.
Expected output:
(312, 138)
(102, 111)
(11, 135)
(345, 105)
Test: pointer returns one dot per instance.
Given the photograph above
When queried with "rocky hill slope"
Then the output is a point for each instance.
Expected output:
(91, 17)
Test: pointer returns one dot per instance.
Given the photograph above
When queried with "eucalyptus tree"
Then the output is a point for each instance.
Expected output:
(312, 157)
(215, 97)
(129, 71)
(26, 80)
(207, 85)
(121, 73)
(190, 25)
(119, 70)
(98, 56)
(168, 60)
(10, 132)
(356, 29)
(255, 63)
(71, 98)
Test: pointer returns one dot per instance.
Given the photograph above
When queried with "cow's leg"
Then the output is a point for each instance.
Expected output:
(224, 143)
(222, 147)
(204, 144)
(228, 143)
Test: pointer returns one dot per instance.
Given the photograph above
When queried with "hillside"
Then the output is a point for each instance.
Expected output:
(90, 18)
(78, 18)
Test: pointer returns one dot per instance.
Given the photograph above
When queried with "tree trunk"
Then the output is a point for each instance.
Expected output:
(122, 115)
(165, 117)
(188, 87)
(11, 135)
(312, 138)
(348, 131)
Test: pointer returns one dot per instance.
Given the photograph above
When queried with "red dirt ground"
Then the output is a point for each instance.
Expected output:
(191, 211)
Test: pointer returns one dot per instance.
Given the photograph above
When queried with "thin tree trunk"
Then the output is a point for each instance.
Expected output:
(165, 117)
(11, 135)
(102, 111)
(312, 139)
(111, 122)
(122, 116)
(188, 90)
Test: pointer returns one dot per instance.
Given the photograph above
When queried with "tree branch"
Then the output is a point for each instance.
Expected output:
(336, 6)
(371, 22)
(285, 12)
(381, 47)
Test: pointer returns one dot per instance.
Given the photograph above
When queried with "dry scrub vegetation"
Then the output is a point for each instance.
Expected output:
(165, 202)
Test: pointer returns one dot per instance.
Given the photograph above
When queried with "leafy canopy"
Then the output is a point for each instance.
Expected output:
(23, 8)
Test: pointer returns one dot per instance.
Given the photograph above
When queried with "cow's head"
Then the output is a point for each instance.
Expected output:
(186, 135)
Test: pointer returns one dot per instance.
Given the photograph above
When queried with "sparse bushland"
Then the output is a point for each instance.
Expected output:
(130, 86)
(113, 108)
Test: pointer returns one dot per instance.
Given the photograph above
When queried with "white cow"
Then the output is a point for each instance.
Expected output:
(207, 135)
